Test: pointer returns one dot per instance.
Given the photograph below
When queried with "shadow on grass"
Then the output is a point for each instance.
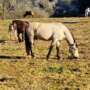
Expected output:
(12, 57)
(5, 41)
(70, 22)
(2, 41)
(44, 58)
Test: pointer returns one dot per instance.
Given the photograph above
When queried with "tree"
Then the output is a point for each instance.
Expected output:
(8, 7)
(83, 4)
(4, 8)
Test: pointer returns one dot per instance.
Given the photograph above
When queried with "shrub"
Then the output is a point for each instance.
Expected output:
(39, 12)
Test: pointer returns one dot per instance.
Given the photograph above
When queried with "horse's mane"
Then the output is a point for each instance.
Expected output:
(74, 38)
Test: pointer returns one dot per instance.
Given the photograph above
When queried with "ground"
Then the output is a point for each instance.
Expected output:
(18, 72)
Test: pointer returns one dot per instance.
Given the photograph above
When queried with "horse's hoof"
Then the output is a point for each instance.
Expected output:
(72, 57)
(47, 58)
(75, 57)
(20, 41)
(33, 57)
(58, 58)
(29, 56)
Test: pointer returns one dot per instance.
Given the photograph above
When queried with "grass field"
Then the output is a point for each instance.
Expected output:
(18, 72)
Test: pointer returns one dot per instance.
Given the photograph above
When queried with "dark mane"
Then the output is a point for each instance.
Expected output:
(74, 39)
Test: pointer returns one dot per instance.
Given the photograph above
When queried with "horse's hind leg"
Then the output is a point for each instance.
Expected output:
(23, 36)
(32, 54)
(57, 48)
(10, 35)
(15, 32)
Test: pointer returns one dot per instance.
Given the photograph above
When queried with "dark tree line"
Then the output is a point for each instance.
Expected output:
(83, 4)
(75, 8)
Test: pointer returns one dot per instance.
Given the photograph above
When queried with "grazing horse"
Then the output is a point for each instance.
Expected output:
(30, 13)
(56, 32)
(87, 12)
(19, 27)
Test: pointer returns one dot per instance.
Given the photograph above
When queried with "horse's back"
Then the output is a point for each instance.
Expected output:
(49, 30)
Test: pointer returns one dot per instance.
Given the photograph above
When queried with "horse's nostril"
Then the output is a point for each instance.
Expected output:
(75, 57)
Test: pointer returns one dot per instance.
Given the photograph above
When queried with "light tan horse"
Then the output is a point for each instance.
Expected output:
(87, 12)
(55, 32)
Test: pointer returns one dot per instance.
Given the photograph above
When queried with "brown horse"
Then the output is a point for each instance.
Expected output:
(30, 13)
(19, 27)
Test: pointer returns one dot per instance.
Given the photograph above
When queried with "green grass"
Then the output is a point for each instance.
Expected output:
(18, 72)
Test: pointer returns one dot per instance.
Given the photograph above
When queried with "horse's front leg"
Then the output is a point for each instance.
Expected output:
(15, 32)
(10, 35)
(18, 35)
(23, 36)
(58, 51)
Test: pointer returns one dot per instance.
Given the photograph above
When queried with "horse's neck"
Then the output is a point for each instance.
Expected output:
(34, 25)
(69, 37)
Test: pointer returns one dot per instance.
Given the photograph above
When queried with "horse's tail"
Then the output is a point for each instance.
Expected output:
(27, 41)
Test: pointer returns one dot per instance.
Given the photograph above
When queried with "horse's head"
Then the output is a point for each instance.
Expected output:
(12, 26)
(30, 13)
(74, 51)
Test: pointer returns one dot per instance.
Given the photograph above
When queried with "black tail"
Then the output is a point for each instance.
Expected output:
(28, 43)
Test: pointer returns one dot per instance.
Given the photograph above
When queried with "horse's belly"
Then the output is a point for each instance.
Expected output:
(59, 33)
(59, 36)
(45, 35)
(20, 30)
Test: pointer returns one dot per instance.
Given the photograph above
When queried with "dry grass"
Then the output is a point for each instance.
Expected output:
(17, 72)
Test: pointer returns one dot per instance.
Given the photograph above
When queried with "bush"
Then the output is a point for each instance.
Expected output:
(39, 13)
(45, 5)
(0, 11)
